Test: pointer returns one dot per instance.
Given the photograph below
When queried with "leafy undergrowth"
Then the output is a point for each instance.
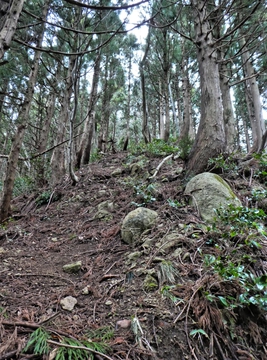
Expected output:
(189, 290)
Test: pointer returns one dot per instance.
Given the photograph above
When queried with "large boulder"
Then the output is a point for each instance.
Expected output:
(135, 223)
(209, 192)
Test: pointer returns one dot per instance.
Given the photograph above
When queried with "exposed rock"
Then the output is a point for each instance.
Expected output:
(123, 324)
(68, 303)
(209, 192)
(150, 283)
(104, 210)
(73, 267)
(169, 241)
(106, 205)
(136, 222)
(117, 172)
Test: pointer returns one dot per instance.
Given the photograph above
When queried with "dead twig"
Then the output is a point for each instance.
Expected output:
(79, 347)
(160, 165)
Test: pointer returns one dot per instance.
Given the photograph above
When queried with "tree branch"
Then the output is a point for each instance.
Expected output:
(98, 7)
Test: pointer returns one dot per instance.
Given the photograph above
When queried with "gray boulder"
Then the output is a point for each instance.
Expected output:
(209, 192)
(135, 223)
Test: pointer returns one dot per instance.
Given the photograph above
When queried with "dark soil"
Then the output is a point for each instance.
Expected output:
(55, 227)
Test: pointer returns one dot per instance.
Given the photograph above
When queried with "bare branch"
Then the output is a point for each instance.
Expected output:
(99, 7)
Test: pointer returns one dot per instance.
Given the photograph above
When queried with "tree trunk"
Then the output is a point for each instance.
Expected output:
(83, 155)
(186, 130)
(145, 129)
(253, 101)
(45, 128)
(210, 139)
(58, 159)
(22, 124)
(128, 109)
(228, 112)
(8, 22)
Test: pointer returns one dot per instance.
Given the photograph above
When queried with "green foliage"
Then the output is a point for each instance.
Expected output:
(166, 292)
(43, 198)
(167, 272)
(79, 354)
(23, 185)
(156, 147)
(241, 219)
(3, 312)
(185, 145)
(104, 333)
(195, 332)
(37, 343)
(174, 203)
(225, 165)
(242, 230)
(145, 193)
(254, 288)
(258, 194)
(95, 156)
(261, 172)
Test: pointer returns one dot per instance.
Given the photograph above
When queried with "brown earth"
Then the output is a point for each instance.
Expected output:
(55, 227)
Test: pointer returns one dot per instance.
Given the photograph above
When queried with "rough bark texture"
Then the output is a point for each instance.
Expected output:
(83, 154)
(210, 139)
(45, 128)
(145, 128)
(58, 160)
(22, 124)
(228, 113)
(253, 101)
(9, 15)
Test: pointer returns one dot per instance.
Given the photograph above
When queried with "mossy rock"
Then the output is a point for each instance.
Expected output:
(150, 283)
(210, 192)
(135, 223)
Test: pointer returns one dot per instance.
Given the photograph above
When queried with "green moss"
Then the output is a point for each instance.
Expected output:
(150, 283)
(224, 183)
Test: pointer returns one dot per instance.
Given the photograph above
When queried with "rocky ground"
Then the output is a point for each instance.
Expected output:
(174, 315)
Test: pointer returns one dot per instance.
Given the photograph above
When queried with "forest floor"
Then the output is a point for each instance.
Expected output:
(181, 318)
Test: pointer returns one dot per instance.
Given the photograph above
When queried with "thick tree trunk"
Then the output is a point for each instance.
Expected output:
(8, 22)
(22, 124)
(210, 139)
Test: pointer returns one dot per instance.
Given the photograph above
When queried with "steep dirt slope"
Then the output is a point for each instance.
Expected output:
(176, 318)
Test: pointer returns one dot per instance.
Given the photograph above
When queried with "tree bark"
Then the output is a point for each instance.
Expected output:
(58, 159)
(84, 152)
(210, 139)
(22, 124)
(253, 101)
(8, 23)
(145, 128)
(228, 112)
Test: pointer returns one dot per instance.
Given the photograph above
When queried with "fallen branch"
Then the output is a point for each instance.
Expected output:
(160, 165)
(79, 347)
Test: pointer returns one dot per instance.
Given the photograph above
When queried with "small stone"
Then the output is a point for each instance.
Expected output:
(73, 267)
(108, 302)
(68, 303)
(150, 283)
(134, 255)
(85, 291)
(123, 324)
(2, 250)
